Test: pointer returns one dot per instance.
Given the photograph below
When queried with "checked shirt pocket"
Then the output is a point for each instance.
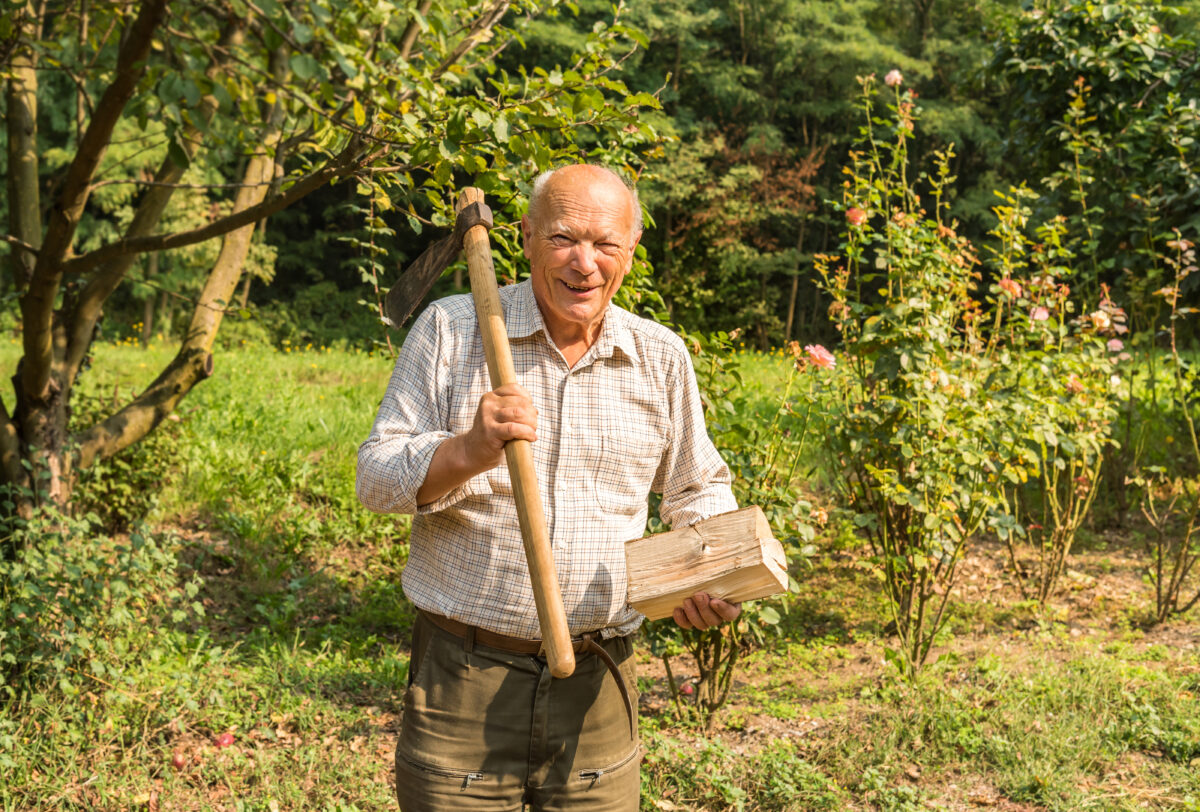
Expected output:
(625, 474)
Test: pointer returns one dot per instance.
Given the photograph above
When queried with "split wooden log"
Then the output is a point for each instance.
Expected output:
(732, 556)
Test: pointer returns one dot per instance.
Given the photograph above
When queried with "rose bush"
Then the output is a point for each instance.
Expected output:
(908, 429)
(960, 406)
(1054, 393)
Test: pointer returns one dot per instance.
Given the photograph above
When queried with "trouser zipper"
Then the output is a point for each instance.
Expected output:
(594, 775)
(466, 776)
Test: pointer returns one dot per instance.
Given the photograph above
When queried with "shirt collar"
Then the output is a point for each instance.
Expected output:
(523, 318)
(521, 315)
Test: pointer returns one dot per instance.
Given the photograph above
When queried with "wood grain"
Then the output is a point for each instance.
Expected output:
(732, 556)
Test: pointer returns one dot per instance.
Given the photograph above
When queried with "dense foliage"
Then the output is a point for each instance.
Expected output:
(112, 110)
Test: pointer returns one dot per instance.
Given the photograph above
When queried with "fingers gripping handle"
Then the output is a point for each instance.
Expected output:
(556, 636)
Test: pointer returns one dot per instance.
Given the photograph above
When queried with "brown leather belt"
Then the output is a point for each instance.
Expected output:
(583, 644)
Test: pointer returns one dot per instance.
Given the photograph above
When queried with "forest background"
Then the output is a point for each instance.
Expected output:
(988, 490)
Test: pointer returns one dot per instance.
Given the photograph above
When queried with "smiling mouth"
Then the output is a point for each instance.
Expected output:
(577, 288)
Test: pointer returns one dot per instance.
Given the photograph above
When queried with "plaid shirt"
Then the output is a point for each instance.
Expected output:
(625, 421)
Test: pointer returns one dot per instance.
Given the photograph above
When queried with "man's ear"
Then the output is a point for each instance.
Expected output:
(526, 235)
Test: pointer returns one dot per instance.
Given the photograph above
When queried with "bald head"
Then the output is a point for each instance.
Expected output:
(579, 176)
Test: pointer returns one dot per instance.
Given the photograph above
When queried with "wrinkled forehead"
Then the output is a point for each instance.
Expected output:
(584, 193)
(579, 190)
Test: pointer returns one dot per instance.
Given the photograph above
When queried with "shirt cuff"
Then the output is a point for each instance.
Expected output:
(475, 486)
(709, 503)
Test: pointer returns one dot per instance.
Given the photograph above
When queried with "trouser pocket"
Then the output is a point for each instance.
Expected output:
(466, 711)
(426, 788)
(593, 775)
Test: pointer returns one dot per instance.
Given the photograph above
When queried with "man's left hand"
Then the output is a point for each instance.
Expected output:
(702, 612)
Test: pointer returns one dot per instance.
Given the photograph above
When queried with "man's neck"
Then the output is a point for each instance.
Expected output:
(573, 340)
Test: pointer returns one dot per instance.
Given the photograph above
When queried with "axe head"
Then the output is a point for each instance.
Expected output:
(419, 276)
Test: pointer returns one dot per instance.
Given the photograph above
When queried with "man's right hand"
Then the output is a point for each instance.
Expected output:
(504, 414)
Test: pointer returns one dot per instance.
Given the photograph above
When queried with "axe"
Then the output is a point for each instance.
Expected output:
(471, 226)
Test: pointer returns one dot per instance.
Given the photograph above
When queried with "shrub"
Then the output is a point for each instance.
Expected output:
(121, 490)
(951, 414)
(1171, 502)
(762, 442)
(78, 608)
(1054, 391)
(908, 430)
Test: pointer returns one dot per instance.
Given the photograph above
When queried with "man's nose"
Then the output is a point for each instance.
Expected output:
(585, 257)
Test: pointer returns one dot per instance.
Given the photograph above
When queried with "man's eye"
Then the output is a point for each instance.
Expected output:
(560, 239)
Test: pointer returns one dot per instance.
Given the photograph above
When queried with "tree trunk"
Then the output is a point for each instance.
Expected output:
(194, 362)
(24, 203)
(166, 315)
(791, 313)
(148, 303)
(924, 10)
(244, 298)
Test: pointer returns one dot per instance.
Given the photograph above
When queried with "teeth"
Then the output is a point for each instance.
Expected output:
(574, 287)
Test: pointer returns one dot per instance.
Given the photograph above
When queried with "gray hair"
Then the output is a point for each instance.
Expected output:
(539, 188)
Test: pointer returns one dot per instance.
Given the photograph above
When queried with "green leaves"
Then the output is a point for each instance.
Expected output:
(304, 66)
(1089, 91)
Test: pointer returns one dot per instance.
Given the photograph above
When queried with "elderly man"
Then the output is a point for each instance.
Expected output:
(610, 403)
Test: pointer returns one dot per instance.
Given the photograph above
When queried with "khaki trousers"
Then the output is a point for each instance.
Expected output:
(485, 729)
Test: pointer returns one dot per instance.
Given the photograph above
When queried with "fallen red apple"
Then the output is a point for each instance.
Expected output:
(687, 689)
(224, 740)
(178, 760)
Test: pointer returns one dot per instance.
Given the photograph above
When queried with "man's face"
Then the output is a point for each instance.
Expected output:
(579, 250)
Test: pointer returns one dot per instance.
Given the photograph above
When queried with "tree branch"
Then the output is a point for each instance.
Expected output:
(410, 32)
(8, 238)
(81, 317)
(342, 164)
(155, 183)
(142, 414)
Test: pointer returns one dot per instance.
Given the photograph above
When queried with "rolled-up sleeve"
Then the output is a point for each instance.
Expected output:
(413, 421)
(693, 479)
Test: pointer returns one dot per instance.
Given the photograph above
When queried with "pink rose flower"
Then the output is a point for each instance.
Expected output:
(819, 356)
(1115, 345)
(1039, 314)
(893, 78)
(855, 216)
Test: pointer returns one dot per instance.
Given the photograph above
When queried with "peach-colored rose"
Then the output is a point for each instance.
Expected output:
(819, 356)
(855, 216)
(1039, 314)
(894, 78)
(1010, 286)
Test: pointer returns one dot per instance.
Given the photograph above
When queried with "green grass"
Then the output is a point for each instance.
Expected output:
(300, 652)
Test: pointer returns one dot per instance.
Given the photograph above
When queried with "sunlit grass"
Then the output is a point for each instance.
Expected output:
(300, 654)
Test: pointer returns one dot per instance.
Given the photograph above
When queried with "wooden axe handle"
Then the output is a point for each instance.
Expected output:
(556, 636)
